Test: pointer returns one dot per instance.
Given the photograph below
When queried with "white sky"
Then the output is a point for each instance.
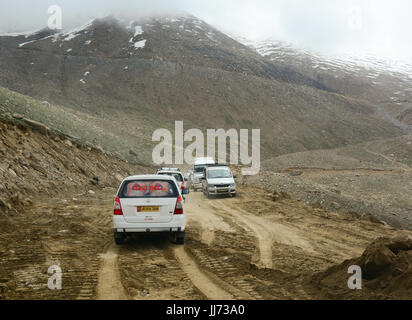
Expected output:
(379, 27)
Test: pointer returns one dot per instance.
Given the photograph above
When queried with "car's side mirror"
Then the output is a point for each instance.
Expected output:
(186, 179)
(234, 176)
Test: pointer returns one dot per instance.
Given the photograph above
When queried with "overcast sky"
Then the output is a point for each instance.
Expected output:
(379, 27)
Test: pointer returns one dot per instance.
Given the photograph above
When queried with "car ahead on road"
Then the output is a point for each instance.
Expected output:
(218, 180)
(175, 172)
(200, 164)
(149, 203)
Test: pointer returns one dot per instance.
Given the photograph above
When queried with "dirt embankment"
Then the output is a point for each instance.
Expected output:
(54, 209)
(37, 163)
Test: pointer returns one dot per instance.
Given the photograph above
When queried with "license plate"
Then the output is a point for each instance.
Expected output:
(148, 209)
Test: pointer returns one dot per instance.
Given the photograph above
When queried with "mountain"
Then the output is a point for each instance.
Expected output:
(125, 79)
(386, 84)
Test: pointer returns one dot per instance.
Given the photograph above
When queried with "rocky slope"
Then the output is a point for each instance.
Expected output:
(130, 78)
(386, 84)
(38, 163)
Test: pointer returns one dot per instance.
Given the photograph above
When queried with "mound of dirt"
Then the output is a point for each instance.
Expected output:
(386, 266)
(35, 162)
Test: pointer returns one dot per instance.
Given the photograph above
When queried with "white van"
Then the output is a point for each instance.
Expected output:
(200, 164)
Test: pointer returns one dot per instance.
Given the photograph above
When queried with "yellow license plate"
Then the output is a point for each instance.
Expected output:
(148, 209)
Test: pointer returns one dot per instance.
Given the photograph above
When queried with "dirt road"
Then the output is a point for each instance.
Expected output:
(236, 248)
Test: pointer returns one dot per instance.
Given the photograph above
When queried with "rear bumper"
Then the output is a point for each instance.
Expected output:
(147, 230)
(197, 185)
(177, 224)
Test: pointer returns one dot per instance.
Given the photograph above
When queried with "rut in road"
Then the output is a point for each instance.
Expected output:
(267, 232)
(109, 285)
(199, 212)
(200, 279)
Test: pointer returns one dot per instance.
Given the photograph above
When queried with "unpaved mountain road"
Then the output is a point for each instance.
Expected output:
(248, 247)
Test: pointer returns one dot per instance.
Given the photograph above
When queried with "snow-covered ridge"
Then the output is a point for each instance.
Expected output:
(66, 36)
(281, 51)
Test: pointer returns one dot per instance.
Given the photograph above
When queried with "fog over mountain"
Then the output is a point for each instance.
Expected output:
(373, 27)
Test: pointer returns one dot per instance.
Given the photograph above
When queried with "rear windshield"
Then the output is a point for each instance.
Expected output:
(199, 168)
(148, 189)
(177, 176)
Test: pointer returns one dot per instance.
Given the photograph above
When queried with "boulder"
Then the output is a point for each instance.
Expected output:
(278, 196)
(68, 143)
(17, 116)
(37, 126)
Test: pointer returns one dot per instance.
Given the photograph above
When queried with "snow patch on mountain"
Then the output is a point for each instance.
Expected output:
(138, 31)
(70, 35)
(140, 44)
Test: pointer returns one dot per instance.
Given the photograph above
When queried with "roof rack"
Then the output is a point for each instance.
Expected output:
(218, 165)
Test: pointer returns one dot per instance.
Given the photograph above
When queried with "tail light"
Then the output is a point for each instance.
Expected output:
(183, 185)
(179, 206)
(117, 207)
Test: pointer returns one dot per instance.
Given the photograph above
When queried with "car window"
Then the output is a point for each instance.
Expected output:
(177, 176)
(199, 168)
(219, 173)
(148, 189)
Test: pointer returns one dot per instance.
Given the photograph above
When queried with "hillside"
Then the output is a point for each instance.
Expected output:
(41, 163)
(386, 84)
(126, 79)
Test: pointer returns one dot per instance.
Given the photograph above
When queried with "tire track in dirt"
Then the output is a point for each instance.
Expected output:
(199, 212)
(267, 232)
(263, 236)
(109, 285)
(200, 278)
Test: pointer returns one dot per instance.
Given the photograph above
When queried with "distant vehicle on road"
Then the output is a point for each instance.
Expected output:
(187, 178)
(149, 203)
(218, 180)
(175, 172)
(200, 164)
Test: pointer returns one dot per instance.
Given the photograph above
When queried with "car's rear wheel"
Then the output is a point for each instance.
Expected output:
(179, 237)
(119, 238)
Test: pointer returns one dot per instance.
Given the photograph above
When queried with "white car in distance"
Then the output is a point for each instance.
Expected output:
(200, 164)
(149, 203)
(175, 172)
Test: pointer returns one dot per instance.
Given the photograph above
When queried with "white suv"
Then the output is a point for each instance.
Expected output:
(175, 172)
(149, 203)
(200, 164)
(218, 180)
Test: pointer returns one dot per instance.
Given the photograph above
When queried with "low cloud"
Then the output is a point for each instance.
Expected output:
(379, 27)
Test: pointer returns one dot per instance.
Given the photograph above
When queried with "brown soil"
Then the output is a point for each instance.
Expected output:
(259, 245)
